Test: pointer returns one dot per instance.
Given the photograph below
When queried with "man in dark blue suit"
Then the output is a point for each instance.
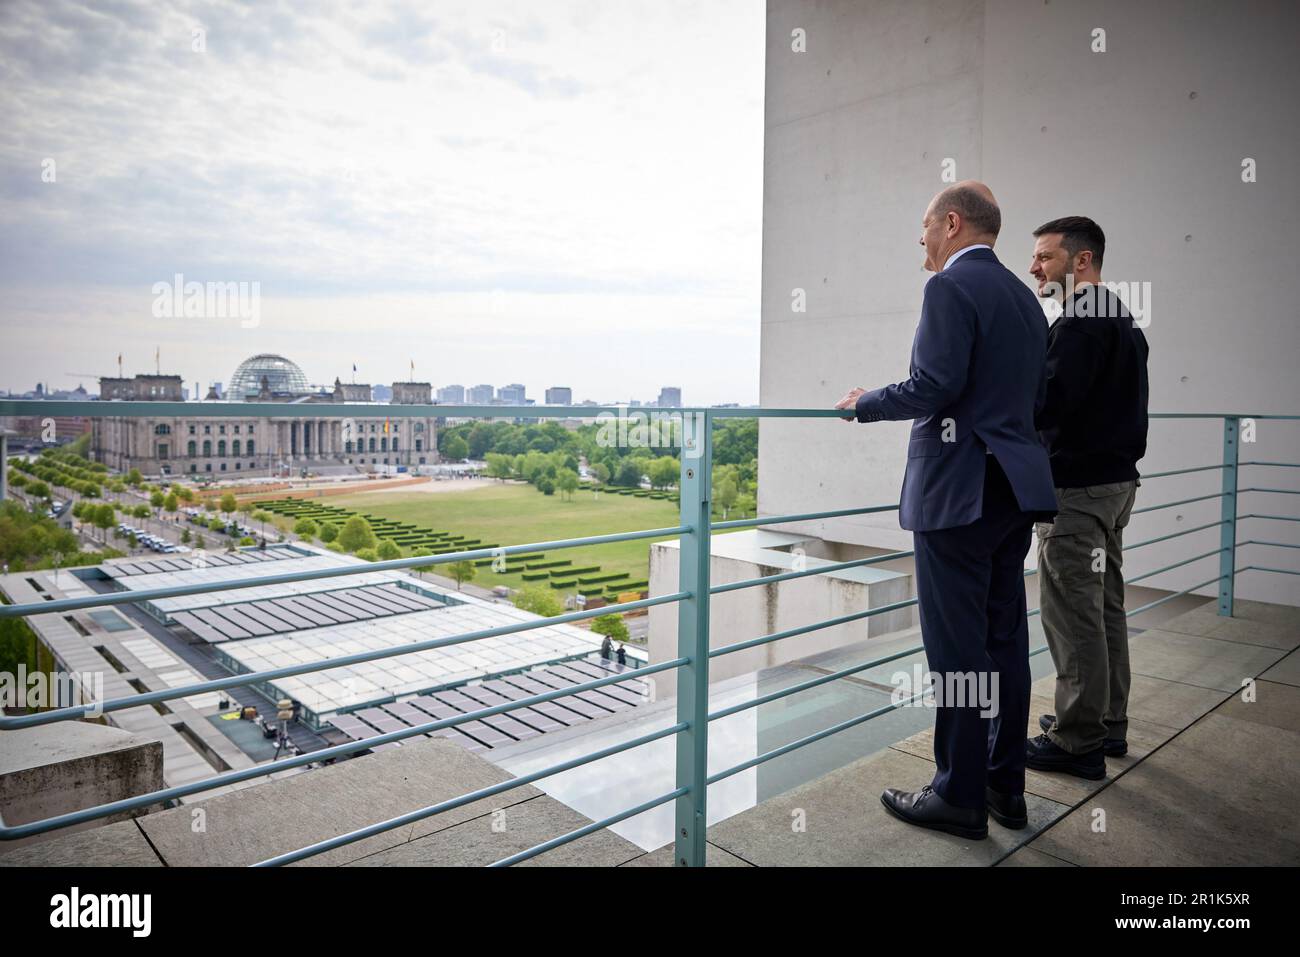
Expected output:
(977, 478)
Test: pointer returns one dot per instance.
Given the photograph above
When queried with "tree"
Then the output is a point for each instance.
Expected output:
(725, 495)
(356, 534)
(664, 471)
(264, 517)
(601, 472)
(455, 448)
(106, 517)
(134, 478)
(421, 550)
(156, 499)
(463, 571)
(567, 482)
(367, 554)
(171, 503)
(628, 474)
(611, 625)
(499, 466)
(228, 503)
(540, 600)
(305, 529)
(328, 530)
(388, 550)
(185, 536)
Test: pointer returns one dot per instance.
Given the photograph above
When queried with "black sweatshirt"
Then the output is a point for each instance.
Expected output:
(1094, 418)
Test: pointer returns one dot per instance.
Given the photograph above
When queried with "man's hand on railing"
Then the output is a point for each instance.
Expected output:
(850, 402)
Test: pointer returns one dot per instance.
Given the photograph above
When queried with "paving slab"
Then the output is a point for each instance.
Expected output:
(1028, 857)
(257, 823)
(113, 845)
(714, 856)
(1143, 738)
(1274, 705)
(493, 836)
(1251, 624)
(1286, 671)
(1204, 662)
(844, 823)
(1222, 793)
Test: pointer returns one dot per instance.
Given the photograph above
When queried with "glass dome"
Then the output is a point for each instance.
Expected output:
(281, 374)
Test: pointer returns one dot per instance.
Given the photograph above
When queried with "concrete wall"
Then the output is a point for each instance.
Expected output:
(1147, 138)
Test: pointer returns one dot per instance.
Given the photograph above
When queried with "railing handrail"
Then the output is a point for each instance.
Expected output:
(692, 598)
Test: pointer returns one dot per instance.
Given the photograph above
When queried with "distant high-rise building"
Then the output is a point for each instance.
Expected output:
(452, 395)
(218, 390)
(479, 394)
(670, 397)
(512, 394)
(559, 395)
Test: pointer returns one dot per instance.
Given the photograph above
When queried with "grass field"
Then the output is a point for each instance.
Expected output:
(514, 514)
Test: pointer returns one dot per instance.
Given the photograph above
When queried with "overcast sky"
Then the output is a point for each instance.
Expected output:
(545, 192)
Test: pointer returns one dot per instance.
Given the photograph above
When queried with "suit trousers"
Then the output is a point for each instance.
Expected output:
(971, 589)
(1081, 589)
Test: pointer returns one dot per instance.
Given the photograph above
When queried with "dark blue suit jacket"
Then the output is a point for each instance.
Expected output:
(978, 374)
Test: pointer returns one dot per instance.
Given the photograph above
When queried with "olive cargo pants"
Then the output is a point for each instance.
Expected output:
(1081, 593)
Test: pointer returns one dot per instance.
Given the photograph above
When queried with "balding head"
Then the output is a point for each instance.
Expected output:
(959, 216)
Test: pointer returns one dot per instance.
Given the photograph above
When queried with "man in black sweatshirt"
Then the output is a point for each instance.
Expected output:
(1094, 424)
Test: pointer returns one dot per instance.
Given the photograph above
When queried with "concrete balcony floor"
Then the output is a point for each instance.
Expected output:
(1209, 779)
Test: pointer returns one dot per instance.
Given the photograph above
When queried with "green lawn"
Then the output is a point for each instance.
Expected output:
(515, 514)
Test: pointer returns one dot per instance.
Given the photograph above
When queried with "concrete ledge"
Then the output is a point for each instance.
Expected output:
(58, 768)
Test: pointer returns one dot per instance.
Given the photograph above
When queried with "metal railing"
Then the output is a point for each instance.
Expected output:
(694, 651)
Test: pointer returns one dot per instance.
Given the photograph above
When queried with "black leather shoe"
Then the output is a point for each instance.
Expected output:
(1044, 754)
(1112, 747)
(925, 808)
(1007, 809)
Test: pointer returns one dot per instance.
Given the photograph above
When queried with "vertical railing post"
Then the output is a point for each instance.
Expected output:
(693, 638)
(1228, 512)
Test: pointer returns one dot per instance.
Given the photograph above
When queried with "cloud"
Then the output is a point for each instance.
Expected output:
(358, 149)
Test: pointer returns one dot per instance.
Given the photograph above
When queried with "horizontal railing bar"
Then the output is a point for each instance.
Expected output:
(1256, 541)
(8, 723)
(282, 410)
(334, 751)
(1178, 594)
(1185, 561)
(820, 570)
(1277, 518)
(804, 629)
(824, 733)
(394, 564)
(1276, 491)
(804, 517)
(1186, 531)
(452, 803)
(1263, 568)
(1199, 498)
(591, 828)
(813, 683)
(1202, 468)
(1279, 465)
